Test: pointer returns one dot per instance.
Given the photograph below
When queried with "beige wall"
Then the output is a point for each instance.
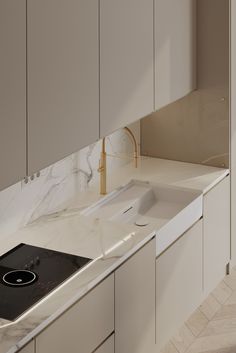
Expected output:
(196, 128)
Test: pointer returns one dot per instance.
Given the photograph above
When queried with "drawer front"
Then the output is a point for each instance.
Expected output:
(108, 346)
(84, 326)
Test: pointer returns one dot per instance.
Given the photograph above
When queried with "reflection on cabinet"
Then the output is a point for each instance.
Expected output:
(126, 62)
(107, 347)
(178, 283)
(84, 326)
(216, 234)
(135, 302)
(12, 91)
(29, 348)
(63, 88)
(175, 41)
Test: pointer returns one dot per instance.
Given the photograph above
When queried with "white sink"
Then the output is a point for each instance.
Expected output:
(168, 210)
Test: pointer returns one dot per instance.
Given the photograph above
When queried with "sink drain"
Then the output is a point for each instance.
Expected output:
(141, 224)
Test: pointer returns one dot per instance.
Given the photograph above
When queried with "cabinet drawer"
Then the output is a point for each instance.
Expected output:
(84, 326)
(107, 347)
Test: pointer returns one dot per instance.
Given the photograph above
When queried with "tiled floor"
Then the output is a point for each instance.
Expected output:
(212, 328)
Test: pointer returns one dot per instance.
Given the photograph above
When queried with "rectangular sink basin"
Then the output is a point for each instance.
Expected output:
(168, 210)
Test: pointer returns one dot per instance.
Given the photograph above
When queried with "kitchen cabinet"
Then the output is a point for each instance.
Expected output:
(107, 347)
(84, 326)
(126, 62)
(135, 302)
(178, 283)
(12, 91)
(29, 348)
(175, 50)
(63, 79)
(216, 210)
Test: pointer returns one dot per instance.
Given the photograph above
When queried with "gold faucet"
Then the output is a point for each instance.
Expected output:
(103, 161)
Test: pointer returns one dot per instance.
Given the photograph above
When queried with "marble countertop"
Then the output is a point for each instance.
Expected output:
(109, 244)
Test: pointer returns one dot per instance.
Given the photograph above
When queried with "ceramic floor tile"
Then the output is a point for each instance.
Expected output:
(226, 312)
(197, 322)
(222, 292)
(213, 343)
(218, 327)
(169, 348)
(183, 339)
(210, 306)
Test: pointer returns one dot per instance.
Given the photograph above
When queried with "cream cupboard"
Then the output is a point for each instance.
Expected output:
(77, 70)
(126, 62)
(178, 283)
(175, 50)
(63, 92)
(12, 91)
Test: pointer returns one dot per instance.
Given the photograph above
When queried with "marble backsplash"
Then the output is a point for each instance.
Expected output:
(60, 183)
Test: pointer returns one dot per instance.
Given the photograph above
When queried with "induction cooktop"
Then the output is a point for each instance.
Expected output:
(28, 273)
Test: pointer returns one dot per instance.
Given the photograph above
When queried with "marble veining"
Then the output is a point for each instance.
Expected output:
(109, 244)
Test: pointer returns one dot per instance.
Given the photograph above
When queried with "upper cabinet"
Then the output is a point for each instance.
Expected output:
(175, 50)
(63, 78)
(126, 62)
(12, 91)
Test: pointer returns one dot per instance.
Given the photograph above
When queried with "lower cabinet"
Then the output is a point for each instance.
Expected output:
(178, 283)
(216, 225)
(108, 346)
(135, 302)
(29, 348)
(84, 326)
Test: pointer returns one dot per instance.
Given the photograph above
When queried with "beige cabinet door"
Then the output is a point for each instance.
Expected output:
(12, 91)
(216, 211)
(178, 283)
(84, 326)
(126, 62)
(29, 348)
(107, 347)
(135, 303)
(175, 50)
(63, 88)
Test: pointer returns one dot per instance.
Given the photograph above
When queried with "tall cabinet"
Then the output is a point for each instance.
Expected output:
(126, 62)
(63, 84)
(12, 91)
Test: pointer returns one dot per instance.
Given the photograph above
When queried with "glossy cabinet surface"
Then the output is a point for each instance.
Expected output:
(107, 347)
(175, 50)
(178, 283)
(63, 87)
(29, 348)
(135, 303)
(12, 91)
(84, 326)
(126, 62)
(216, 209)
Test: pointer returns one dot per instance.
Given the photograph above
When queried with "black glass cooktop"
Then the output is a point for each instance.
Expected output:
(28, 273)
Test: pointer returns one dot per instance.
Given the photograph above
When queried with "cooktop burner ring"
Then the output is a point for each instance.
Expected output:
(19, 278)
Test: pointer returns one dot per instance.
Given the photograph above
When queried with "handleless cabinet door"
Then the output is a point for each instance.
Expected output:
(29, 348)
(175, 42)
(12, 91)
(216, 211)
(178, 283)
(135, 302)
(126, 62)
(63, 88)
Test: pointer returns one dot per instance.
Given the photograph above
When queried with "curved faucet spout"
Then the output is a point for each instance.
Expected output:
(103, 158)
